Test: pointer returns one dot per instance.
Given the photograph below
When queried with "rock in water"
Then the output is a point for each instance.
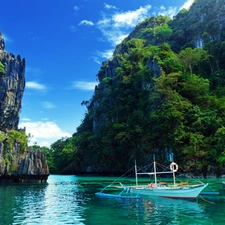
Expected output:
(15, 163)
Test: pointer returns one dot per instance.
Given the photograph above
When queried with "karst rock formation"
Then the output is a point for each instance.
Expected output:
(16, 162)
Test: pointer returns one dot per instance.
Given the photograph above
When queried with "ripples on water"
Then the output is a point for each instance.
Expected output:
(72, 200)
(58, 202)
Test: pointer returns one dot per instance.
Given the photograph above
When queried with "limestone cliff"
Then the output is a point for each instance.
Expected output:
(142, 94)
(12, 83)
(16, 161)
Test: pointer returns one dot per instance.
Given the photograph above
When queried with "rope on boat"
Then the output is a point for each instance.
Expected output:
(207, 200)
(122, 176)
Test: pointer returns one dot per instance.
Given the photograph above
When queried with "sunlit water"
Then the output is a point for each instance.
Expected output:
(72, 200)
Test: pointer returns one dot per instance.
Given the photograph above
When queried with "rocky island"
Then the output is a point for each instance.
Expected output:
(17, 162)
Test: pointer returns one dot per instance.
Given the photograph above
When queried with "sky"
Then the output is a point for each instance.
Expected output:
(64, 43)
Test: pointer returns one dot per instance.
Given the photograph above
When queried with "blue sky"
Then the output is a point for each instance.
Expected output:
(64, 43)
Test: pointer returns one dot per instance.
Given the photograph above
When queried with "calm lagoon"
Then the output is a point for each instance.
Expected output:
(72, 200)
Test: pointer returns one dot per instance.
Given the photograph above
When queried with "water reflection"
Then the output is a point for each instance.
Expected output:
(7, 203)
(61, 202)
(58, 202)
(72, 200)
(145, 211)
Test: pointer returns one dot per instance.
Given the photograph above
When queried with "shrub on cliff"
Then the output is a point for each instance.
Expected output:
(2, 68)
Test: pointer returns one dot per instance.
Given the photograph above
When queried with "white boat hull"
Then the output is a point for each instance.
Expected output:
(169, 192)
(158, 189)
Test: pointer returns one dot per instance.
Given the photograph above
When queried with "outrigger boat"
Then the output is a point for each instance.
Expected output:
(156, 188)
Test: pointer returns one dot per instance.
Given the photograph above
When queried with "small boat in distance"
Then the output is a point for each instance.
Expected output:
(184, 190)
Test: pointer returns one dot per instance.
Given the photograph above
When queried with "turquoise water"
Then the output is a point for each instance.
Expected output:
(72, 200)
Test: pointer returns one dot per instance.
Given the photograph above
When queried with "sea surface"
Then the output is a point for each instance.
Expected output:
(72, 200)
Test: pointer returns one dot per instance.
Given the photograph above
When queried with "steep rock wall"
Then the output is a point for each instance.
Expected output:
(23, 166)
(15, 164)
(12, 84)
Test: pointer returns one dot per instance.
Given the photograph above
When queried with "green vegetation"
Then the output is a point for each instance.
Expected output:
(9, 140)
(2, 137)
(166, 94)
(16, 136)
(60, 157)
(2, 68)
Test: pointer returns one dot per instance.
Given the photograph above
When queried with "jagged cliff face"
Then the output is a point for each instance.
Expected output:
(16, 163)
(12, 84)
(121, 114)
(23, 166)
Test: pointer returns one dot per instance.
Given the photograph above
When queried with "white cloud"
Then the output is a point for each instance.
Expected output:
(35, 85)
(114, 36)
(43, 143)
(44, 133)
(109, 6)
(131, 18)
(170, 11)
(48, 105)
(102, 55)
(187, 4)
(96, 59)
(26, 119)
(86, 23)
(116, 26)
(162, 7)
(76, 8)
(87, 86)
(106, 54)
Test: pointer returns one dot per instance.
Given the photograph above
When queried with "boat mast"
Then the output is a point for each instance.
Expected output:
(135, 167)
(174, 176)
(174, 179)
(154, 170)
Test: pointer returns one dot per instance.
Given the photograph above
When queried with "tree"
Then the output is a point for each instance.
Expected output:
(191, 57)
(220, 147)
(153, 99)
(163, 32)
